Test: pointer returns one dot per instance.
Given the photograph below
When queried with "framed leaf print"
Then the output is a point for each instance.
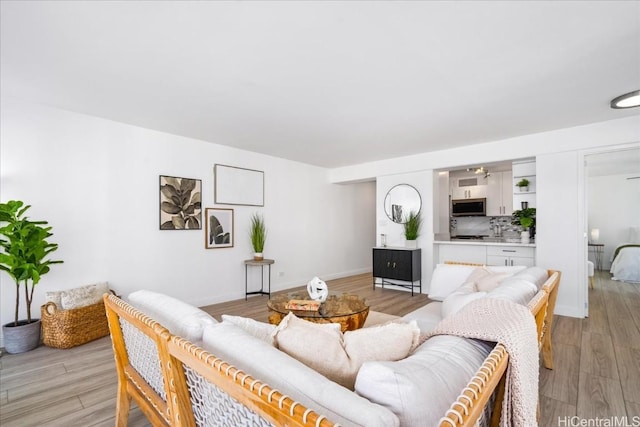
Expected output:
(180, 203)
(219, 228)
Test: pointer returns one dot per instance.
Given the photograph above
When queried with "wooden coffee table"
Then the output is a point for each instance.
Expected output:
(350, 311)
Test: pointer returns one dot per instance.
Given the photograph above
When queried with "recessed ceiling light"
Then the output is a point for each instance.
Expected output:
(628, 100)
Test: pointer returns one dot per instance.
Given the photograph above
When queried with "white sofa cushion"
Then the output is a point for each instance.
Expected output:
(261, 330)
(447, 278)
(512, 269)
(339, 356)
(534, 275)
(491, 281)
(178, 317)
(455, 301)
(514, 289)
(420, 388)
(291, 377)
(426, 317)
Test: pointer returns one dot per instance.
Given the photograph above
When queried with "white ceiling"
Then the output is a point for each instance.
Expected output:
(327, 83)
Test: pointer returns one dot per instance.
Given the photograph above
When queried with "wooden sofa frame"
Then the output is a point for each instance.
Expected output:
(490, 377)
(168, 400)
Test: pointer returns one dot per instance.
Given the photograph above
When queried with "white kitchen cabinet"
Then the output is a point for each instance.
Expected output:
(511, 255)
(473, 187)
(500, 194)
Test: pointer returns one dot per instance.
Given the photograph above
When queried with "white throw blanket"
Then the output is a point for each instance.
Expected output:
(514, 326)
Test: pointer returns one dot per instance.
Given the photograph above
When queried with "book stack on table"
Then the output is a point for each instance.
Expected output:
(303, 305)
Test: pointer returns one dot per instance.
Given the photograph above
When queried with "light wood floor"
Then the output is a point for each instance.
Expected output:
(597, 361)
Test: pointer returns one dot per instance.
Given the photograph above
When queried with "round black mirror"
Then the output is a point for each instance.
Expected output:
(400, 201)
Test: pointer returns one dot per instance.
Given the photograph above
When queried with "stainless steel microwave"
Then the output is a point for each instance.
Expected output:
(469, 207)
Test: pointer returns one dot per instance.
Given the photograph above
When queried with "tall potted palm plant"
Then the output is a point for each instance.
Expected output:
(412, 229)
(258, 235)
(25, 250)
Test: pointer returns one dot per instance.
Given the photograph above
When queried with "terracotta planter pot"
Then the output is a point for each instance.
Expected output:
(21, 338)
(258, 256)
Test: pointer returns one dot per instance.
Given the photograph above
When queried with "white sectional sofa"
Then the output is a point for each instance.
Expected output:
(417, 390)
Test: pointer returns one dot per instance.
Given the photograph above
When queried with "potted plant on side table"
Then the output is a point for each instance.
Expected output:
(25, 247)
(258, 235)
(412, 229)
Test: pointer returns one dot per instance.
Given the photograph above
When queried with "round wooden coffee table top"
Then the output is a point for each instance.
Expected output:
(350, 311)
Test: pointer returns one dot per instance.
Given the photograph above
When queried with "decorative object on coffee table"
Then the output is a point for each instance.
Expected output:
(180, 203)
(25, 249)
(317, 289)
(350, 311)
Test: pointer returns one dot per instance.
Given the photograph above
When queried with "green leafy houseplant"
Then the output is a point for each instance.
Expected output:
(524, 182)
(525, 218)
(258, 234)
(25, 249)
(412, 225)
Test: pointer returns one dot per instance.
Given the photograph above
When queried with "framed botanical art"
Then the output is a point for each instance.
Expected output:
(180, 203)
(219, 228)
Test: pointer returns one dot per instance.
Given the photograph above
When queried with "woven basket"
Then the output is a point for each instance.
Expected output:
(73, 327)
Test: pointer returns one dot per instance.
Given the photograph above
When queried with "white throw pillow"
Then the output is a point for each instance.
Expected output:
(455, 301)
(535, 275)
(513, 269)
(291, 377)
(491, 281)
(178, 317)
(261, 330)
(339, 356)
(80, 297)
(447, 278)
(514, 289)
(420, 388)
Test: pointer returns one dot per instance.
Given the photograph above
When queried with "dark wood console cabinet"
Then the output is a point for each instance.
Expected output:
(398, 264)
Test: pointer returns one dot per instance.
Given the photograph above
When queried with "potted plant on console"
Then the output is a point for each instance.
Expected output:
(412, 229)
(258, 235)
(523, 185)
(25, 247)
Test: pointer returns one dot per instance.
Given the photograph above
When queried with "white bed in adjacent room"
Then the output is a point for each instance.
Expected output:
(626, 263)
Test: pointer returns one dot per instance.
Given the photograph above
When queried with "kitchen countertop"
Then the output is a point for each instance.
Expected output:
(489, 242)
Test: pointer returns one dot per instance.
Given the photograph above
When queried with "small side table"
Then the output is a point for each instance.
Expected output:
(260, 264)
(598, 251)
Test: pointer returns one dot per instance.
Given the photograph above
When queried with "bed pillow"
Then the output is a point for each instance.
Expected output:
(447, 278)
(339, 356)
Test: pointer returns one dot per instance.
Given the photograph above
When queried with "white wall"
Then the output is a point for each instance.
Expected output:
(424, 183)
(562, 244)
(96, 182)
(613, 207)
